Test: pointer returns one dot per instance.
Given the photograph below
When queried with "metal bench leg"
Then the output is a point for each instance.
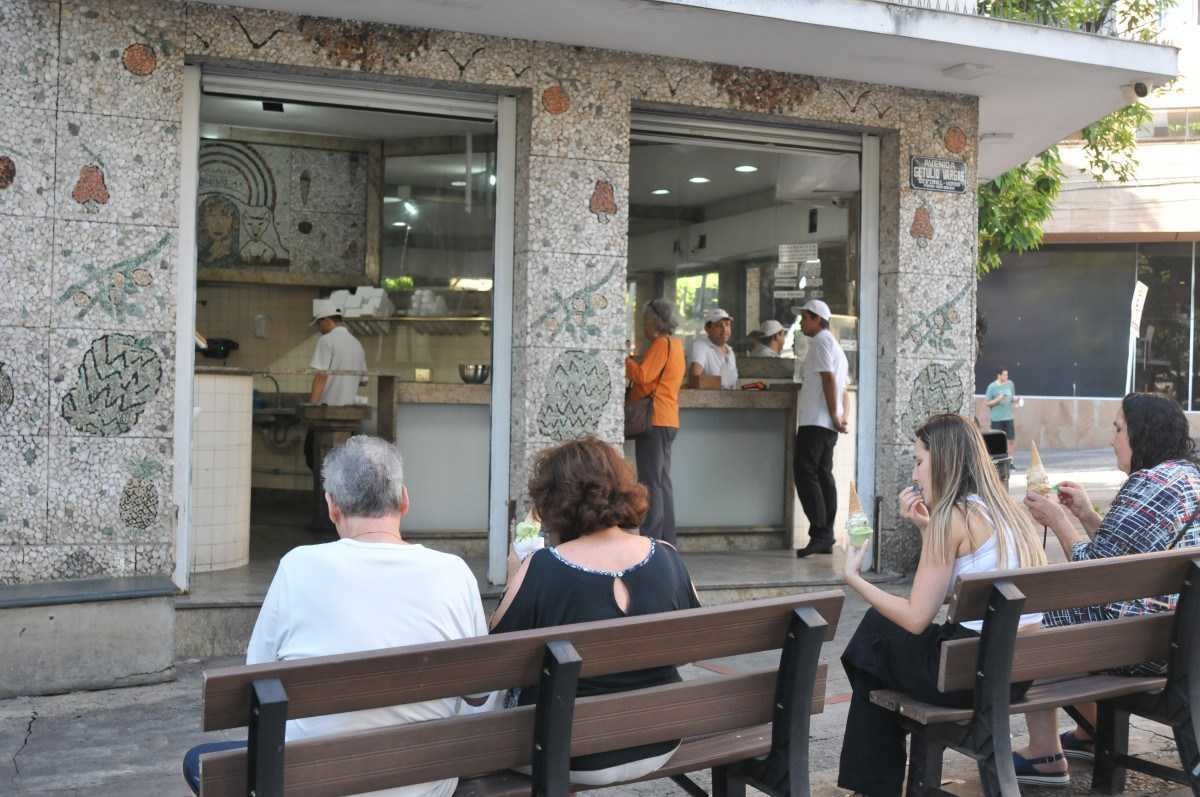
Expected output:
(1111, 743)
(552, 720)
(988, 740)
(725, 784)
(1183, 676)
(265, 739)
(924, 764)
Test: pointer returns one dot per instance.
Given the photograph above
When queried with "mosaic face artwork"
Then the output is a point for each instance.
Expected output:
(578, 392)
(281, 208)
(118, 376)
(936, 389)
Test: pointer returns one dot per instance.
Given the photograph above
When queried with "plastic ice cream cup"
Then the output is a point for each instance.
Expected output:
(528, 538)
(860, 535)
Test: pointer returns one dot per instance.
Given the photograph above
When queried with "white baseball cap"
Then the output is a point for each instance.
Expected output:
(324, 308)
(817, 308)
(716, 314)
(771, 328)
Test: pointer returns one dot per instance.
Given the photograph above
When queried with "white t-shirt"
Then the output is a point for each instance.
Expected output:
(350, 596)
(338, 350)
(824, 355)
(715, 362)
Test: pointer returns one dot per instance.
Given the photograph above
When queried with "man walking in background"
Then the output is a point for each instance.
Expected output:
(1000, 397)
(821, 418)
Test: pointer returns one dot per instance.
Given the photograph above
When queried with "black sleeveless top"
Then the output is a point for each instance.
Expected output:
(558, 592)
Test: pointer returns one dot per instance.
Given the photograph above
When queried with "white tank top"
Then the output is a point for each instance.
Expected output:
(986, 558)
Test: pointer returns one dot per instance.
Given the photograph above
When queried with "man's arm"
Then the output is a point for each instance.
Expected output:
(829, 388)
(318, 387)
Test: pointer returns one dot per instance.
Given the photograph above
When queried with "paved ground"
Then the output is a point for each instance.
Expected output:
(129, 742)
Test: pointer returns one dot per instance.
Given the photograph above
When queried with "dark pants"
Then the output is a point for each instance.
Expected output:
(191, 760)
(653, 454)
(812, 469)
(882, 655)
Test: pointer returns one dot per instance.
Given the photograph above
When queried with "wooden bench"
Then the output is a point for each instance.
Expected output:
(1068, 667)
(748, 728)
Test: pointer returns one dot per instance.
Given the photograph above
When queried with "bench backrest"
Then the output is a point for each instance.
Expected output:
(483, 743)
(1071, 650)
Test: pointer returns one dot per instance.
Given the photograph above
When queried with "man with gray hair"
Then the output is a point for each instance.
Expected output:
(368, 590)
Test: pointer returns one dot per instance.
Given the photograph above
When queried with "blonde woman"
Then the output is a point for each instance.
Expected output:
(968, 524)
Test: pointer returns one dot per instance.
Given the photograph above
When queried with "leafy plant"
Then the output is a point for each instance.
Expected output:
(1014, 206)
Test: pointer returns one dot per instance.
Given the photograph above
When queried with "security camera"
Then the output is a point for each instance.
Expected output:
(1132, 92)
(837, 201)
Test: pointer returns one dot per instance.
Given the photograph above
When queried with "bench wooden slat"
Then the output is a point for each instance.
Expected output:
(1073, 584)
(485, 743)
(395, 676)
(1086, 689)
(693, 755)
(1067, 650)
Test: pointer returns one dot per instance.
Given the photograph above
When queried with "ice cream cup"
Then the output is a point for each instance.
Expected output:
(859, 535)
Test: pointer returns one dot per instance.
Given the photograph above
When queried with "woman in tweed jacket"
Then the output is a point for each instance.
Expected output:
(1157, 508)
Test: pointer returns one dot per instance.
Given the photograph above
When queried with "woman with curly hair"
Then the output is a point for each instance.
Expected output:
(1156, 509)
(588, 499)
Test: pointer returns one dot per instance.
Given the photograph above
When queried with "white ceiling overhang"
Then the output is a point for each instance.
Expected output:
(1039, 84)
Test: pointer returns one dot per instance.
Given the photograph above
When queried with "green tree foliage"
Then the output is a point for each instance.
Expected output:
(1014, 206)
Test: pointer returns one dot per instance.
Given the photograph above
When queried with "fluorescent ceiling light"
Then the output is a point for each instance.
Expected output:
(391, 200)
(458, 183)
(699, 180)
(399, 224)
(491, 179)
(410, 208)
(745, 168)
(661, 191)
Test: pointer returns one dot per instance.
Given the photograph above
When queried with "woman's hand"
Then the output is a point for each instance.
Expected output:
(513, 564)
(854, 560)
(913, 508)
(1046, 511)
(1072, 496)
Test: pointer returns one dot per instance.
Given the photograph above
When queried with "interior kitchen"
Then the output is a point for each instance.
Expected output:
(388, 215)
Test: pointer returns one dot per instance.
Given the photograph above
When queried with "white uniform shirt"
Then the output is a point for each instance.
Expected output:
(760, 350)
(338, 350)
(715, 362)
(349, 596)
(824, 354)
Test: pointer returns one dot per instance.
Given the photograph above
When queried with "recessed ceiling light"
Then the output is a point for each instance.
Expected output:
(661, 191)
(491, 179)
(745, 168)
(699, 180)
(399, 223)
(458, 183)
(410, 208)
(391, 200)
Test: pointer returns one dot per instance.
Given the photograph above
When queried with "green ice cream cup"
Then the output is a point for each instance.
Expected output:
(859, 535)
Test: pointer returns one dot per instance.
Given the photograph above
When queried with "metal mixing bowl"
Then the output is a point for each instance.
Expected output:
(474, 373)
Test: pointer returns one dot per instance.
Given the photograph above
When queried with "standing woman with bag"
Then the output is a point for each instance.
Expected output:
(654, 385)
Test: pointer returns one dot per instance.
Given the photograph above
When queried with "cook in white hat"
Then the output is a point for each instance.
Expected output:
(711, 353)
(770, 338)
(822, 415)
(337, 351)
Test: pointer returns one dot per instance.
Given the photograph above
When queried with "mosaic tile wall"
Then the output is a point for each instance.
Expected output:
(89, 176)
(89, 169)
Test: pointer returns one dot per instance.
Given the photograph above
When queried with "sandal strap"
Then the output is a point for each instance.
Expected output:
(1050, 759)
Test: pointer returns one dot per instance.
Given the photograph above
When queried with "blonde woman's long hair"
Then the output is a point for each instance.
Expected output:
(959, 466)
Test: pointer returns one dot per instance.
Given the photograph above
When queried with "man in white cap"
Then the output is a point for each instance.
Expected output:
(770, 339)
(821, 417)
(337, 351)
(711, 353)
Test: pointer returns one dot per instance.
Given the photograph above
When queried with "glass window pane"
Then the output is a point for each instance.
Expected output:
(1161, 364)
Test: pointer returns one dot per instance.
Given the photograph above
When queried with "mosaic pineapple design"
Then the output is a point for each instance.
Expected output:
(139, 499)
(118, 376)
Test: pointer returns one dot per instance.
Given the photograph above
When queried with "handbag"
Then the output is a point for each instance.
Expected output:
(639, 413)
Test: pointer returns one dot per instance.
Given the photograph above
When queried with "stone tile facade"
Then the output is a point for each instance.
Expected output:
(89, 154)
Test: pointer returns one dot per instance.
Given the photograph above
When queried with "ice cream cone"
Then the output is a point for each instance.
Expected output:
(855, 503)
(1035, 459)
(1036, 478)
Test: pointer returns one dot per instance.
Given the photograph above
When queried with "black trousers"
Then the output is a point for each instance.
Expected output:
(653, 453)
(812, 470)
(882, 655)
